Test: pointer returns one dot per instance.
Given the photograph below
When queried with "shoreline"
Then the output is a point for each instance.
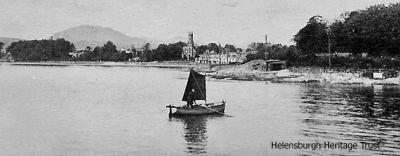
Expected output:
(287, 76)
(244, 72)
(113, 64)
(250, 72)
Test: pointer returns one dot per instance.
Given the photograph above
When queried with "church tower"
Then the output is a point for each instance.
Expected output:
(190, 42)
(265, 47)
(189, 51)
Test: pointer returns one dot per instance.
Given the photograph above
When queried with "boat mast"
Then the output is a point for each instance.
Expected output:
(205, 97)
(205, 79)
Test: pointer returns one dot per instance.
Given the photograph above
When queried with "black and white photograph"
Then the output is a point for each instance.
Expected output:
(199, 77)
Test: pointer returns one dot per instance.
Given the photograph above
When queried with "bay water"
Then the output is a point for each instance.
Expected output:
(79, 110)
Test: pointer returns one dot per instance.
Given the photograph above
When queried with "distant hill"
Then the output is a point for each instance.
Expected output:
(177, 39)
(7, 41)
(87, 35)
(155, 42)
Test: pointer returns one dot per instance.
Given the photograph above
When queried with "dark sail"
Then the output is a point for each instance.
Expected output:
(197, 82)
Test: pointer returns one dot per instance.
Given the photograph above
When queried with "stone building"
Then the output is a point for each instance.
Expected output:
(189, 52)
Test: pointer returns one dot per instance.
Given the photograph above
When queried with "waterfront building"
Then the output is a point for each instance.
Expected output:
(76, 53)
(210, 56)
(273, 65)
(128, 51)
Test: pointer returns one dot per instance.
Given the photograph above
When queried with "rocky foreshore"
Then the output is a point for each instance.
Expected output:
(249, 71)
(338, 78)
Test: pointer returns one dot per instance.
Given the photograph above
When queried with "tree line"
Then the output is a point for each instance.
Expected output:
(273, 52)
(107, 52)
(375, 30)
(41, 50)
(1, 48)
(1, 45)
(163, 52)
(59, 49)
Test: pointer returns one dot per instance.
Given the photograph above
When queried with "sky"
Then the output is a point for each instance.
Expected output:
(237, 22)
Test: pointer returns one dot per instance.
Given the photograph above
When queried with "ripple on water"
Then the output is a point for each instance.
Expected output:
(353, 114)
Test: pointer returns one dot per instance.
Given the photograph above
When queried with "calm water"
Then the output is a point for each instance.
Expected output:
(57, 111)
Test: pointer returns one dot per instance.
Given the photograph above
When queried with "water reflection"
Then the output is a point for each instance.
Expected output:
(195, 133)
(354, 114)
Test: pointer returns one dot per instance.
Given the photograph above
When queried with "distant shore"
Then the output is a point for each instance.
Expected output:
(174, 64)
(240, 72)
(165, 64)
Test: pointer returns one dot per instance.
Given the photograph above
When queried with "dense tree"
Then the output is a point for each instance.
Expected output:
(41, 50)
(292, 54)
(90, 55)
(1, 48)
(95, 55)
(275, 51)
(213, 46)
(250, 57)
(165, 52)
(201, 49)
(160, 53)
(88, 49)
(109, 52)
(313, 38)
(175, 51)
(338, 38)
(180, 44)
(230, 48)
(1, 45)
(116, 56)
(375, 30)
(146, 54)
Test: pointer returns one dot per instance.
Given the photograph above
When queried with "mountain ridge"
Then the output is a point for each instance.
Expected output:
(89, 35)
(92, 35)
(8, 40)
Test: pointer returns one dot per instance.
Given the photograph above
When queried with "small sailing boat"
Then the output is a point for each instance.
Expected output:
(197, 83)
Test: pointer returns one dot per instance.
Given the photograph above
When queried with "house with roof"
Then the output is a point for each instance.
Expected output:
(210, 56)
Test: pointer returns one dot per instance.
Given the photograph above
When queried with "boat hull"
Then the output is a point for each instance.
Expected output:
(209, 108)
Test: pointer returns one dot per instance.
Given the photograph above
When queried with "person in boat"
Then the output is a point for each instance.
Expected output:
(190, 99)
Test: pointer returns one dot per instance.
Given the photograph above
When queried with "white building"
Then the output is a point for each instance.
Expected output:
(224, 58)
(77, 53)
